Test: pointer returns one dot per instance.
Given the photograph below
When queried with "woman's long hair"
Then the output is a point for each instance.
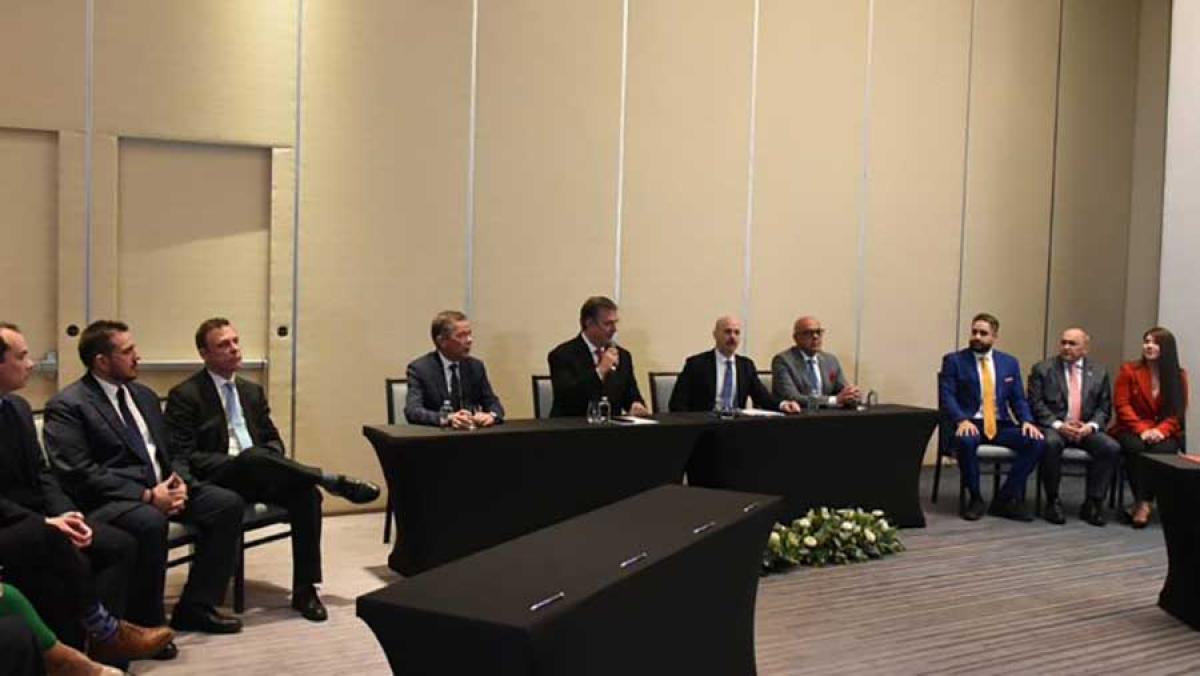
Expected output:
(1170, 381)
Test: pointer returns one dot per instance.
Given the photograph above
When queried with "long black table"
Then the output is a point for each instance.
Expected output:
(660, 583)
(1176, 482)
(834, 458)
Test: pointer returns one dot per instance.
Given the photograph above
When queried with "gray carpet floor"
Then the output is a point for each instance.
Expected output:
(992, 596)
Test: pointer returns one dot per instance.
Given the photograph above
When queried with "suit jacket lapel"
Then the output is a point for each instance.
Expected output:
(211, 399)
(100, 401)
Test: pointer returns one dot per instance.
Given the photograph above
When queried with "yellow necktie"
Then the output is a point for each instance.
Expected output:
(989, 398)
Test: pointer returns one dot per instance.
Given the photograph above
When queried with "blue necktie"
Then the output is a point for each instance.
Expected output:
(815, 375)
(727, 386)
(233, 410)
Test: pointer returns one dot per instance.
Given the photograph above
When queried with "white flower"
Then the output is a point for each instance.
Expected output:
(810, 541)
(824, 513)
(804, 523)
(876, 513)
(793, 539)
(857, 528)
(773, 541)
(846, 525)
(883, 525)
(869, 535)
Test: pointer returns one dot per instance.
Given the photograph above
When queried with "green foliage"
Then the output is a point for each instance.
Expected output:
(830, 536)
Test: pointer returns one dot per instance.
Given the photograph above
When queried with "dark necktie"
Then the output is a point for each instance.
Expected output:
(133, 435)
(727, 386)
(456, 401)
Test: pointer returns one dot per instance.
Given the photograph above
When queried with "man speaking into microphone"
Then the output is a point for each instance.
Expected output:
(591, 365)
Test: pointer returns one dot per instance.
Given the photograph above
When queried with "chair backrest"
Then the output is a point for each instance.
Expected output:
(662, 384)
(397, 393)
(543, 396)
(767, 380)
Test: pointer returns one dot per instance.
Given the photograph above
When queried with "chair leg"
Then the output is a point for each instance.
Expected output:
(1037, 489)
(996, 481)
(387, 520)
(937, 478)
(239, 579)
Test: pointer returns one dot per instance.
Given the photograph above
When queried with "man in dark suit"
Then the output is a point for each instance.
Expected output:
(74, 572)
(805, 372)
(109, 445)
(451, 375)
(721, 378)
(221, 425)
(979, 390)
(1071, 399)
(591, 365)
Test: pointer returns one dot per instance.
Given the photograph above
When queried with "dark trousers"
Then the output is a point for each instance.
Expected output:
(1028, 450)
(1131, 447)
(263, 475)
(19, 651)
(62, 581)
(1104, 451)
(216, 514)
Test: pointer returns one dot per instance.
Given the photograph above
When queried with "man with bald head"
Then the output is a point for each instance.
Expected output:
(721, 378)
(805, 372)
(1071, 399)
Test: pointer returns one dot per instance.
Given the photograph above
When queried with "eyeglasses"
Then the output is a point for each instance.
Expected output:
(813, 332)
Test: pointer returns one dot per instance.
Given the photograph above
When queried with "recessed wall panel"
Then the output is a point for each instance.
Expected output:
(42, 49)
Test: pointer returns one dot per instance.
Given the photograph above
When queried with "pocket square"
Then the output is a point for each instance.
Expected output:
(1008, 379)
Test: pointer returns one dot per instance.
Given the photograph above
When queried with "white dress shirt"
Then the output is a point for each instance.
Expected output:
(110, 391)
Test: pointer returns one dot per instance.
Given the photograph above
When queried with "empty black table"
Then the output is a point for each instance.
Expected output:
(1176, 482)
(457, 492)
(660, 583)
(834, 458)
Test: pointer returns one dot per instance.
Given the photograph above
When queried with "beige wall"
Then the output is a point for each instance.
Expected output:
(891, 166)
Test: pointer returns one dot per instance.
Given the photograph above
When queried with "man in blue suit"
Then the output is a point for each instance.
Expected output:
(980, 393)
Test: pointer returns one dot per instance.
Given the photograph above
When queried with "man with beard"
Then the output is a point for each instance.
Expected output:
(979, 392)
(723, 378)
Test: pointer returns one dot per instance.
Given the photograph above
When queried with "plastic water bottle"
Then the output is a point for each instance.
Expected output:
(445, 412)
(605, 410)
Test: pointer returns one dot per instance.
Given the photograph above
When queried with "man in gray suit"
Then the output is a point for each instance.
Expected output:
(805, 373)
(1071, 399)
(451, 374)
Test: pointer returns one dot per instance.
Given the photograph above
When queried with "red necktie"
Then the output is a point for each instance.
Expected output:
(1074, 393)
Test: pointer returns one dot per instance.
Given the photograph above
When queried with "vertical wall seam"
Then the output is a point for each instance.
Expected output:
(747, 257)
(620, 214)
(297, 169)
(1053, 178)
(89, 42)
(469, 291)
(864, 194)
(962, 222)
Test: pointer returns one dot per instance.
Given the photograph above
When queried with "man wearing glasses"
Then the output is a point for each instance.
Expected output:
(805, 373)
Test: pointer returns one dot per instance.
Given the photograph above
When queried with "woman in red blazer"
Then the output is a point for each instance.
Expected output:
(1150, 399)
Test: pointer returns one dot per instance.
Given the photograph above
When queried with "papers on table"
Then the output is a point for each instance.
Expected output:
(632, 420)
(760, 413)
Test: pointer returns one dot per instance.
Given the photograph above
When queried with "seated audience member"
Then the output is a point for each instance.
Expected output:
(451, 374)
(591, 365)
(722, 378)
(28, 646)
(979, 390)
(1071, 398)
(109, 444)
(221, 425)
(74, 571)
(1151, 400)
(805, 373)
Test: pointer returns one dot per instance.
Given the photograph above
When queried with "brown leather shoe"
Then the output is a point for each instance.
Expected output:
(63, 660)
(1140, 517)
(131, 642)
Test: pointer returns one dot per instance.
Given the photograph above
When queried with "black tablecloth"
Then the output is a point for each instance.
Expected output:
(686, 607)
(458, 492)
(1177, 485)
(832, 458)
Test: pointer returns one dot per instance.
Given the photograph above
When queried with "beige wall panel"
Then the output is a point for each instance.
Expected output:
(281, 287)
(217, 70)
(383, 194)
(72, 252)
(1010, 165)
(42, 49)
(103, 268)
(1149, 149)
(29, 255)
(807, 173)
(548, 114)
(917, 127)
(686, 164)
(192, 242)
(1094, 167)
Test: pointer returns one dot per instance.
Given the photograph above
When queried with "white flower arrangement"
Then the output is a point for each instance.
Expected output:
(831, 536)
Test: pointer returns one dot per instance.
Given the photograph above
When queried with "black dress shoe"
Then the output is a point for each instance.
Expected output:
(1012, 508)
(1053, 512)
(309, 604)
(204, 618)
(168, 652)
(355, 490)
(972, 510)
(1092, 512)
